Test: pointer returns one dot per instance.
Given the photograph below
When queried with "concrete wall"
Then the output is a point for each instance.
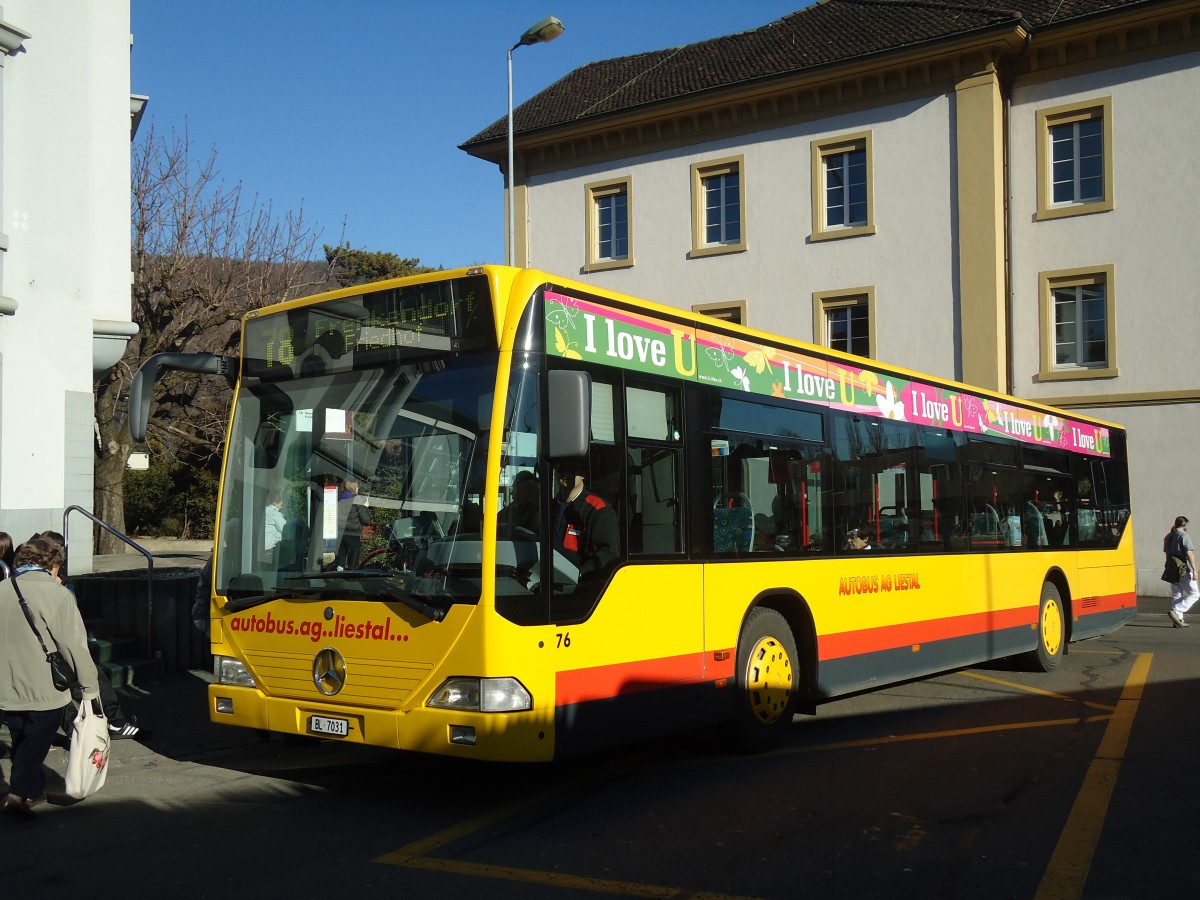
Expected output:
(64, 193)
(1149, 237)
(910, 258)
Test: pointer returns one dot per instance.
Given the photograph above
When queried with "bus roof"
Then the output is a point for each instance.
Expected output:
(522, 283)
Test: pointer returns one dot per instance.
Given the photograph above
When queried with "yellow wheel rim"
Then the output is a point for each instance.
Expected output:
(769, 680)
(1052, 628)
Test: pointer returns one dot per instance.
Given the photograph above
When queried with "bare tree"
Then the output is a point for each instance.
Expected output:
(203, 254)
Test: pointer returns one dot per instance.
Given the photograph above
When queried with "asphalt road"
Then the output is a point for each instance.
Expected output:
(988, 782)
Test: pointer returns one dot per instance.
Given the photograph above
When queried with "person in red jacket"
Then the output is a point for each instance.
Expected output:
(585, 529)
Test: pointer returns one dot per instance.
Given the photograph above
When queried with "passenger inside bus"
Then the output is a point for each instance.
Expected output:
(352, 518)
(523, 516)
(1056, 519)
(858, 539)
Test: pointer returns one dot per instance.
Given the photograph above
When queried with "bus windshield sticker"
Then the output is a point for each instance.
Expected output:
(584, 330)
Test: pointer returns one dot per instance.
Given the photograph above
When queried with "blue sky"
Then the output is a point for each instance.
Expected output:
(355, 109)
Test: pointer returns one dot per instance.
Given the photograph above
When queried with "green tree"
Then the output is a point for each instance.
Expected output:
(350, 267)
(170, 499)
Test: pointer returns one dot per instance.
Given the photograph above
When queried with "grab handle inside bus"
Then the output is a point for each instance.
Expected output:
(570, 414)
(147, 374)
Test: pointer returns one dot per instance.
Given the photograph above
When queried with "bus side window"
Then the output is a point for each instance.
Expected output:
(654, 463)
(655, 525)
(1102, 497)
(995, 502)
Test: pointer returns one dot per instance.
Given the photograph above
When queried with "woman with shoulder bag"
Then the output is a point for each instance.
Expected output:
(32, 704)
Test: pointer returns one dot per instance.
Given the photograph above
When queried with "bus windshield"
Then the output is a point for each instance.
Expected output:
(379, 443)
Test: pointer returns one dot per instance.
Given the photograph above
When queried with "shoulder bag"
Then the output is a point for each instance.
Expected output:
(60, 670)
(1173, 572)
(1183, 571)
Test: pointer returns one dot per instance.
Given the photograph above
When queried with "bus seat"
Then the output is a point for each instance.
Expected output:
(733, 523)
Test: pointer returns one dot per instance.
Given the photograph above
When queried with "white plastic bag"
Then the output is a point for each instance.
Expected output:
(87, 765)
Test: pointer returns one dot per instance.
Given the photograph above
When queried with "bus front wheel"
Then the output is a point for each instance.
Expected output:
(767, 680)
(1051, 630)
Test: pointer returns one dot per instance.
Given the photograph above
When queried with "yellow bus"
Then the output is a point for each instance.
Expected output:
(498, 514)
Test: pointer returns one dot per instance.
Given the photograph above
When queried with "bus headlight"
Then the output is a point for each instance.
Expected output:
(482, 695)
(231, 671)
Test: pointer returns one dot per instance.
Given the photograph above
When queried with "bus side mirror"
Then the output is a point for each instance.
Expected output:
(570, 414)
(147, 374)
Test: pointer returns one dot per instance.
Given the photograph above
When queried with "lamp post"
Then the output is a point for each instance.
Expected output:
(546, 30)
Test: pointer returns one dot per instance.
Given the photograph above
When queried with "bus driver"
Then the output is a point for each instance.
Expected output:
(585, 529)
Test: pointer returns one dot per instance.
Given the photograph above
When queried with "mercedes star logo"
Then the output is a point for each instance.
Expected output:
(329, 671)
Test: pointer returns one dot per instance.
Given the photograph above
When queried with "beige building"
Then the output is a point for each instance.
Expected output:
(1002, 198)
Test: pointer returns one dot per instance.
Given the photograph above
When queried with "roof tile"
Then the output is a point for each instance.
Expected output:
(827, 33)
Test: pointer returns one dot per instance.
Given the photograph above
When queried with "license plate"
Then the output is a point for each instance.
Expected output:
(323, 725)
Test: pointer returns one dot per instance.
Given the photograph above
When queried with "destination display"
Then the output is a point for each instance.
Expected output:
(370, 329)
(581, 329)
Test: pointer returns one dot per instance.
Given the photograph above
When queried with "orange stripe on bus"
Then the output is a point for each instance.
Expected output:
(1083, 606)
(907, 634)
(637, 676)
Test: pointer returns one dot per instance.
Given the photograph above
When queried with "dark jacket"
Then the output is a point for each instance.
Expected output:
(586, 534)
(353, 516)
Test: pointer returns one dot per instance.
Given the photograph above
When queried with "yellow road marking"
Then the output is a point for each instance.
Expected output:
(1071, 861)
(555, 879)
(935, 735)
(462, 829)
(414, 856)
(1064, 864)
(1030, 689)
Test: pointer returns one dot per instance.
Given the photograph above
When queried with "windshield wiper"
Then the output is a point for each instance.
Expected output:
(434, 613)
(237, 604)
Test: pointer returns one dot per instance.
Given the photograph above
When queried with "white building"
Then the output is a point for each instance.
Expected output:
(998, 198)
(65, 315)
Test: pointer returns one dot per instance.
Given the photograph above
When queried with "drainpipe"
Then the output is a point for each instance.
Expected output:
(1009, 299)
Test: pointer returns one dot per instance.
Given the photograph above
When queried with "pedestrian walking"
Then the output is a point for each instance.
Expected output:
(33, 704)
(1181, 562)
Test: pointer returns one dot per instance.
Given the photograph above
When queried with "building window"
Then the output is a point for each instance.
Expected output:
(1078, 324)
(845, 320)
(612, 226)
(722, 209)
(609, 229)
(1075, 159)
(845, 188)
(842, 193)
(732, 311)
(718, 207)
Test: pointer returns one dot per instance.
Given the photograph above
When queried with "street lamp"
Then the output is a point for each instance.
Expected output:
(546, 30)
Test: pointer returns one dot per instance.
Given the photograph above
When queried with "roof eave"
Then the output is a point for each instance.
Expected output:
(1008, 37)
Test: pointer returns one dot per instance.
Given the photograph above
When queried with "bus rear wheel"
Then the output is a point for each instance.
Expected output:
(766, 680)
(1051, 631)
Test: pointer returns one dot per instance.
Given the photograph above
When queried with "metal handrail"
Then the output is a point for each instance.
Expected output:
(132, 543)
